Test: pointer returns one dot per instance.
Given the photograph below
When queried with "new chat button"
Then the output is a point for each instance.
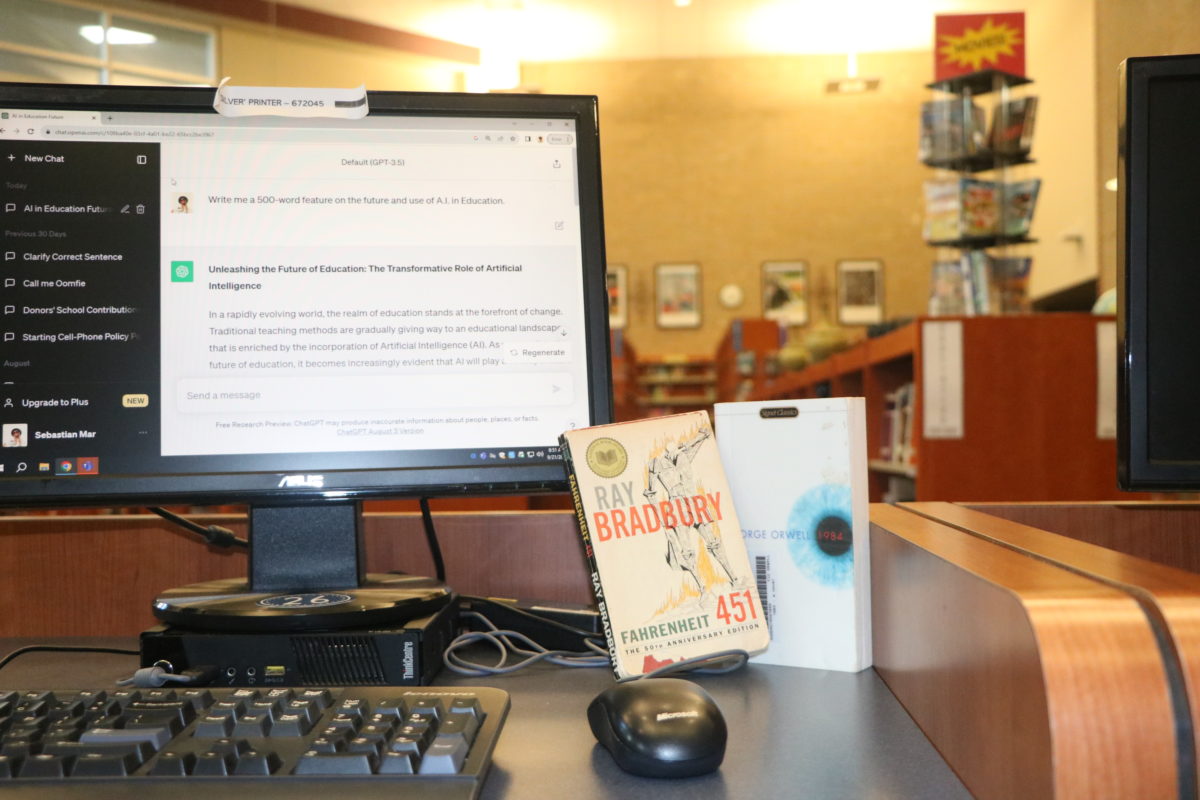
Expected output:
(135, 400)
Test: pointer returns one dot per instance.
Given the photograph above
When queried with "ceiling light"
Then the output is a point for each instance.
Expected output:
(96, 34)
(682, 3)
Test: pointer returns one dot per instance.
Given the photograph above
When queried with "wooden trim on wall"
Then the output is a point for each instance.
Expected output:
(1170, 595)
(97, 575)
(1030, 680)
(306, 20)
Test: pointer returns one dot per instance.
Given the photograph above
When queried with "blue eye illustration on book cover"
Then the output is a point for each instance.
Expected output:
(823, 548)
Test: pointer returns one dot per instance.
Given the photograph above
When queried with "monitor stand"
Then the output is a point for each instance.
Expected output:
(306, 573)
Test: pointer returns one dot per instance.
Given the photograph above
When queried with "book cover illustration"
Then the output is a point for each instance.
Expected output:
(798, 471)
(669, 567)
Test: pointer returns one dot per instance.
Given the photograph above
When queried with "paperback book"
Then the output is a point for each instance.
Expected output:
(669, 567)
(798, 471)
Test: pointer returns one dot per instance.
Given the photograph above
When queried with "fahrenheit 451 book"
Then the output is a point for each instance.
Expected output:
(669, 568)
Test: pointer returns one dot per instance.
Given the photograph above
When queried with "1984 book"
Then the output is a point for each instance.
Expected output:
(668, 564)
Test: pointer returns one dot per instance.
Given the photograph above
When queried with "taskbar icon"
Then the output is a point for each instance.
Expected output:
(82, 465)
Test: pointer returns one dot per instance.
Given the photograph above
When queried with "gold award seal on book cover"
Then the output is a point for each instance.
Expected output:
(607, 457)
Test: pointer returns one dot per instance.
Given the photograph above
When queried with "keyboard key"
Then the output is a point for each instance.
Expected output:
(466, 705)
(253, 723)
(213, 726)
(156, 737)
(44, 765)
(140, 750)
(399, 764)
(323, 698)
(291, 725)
(392, 707)
(254, 762)
(211, 763)
(314, 763)
(444, 757)
(365, 744)
(174, 764)
(199, 698)
(233, 747)
(324, 744)
(463, 725)
(428, 707)
(99, 765)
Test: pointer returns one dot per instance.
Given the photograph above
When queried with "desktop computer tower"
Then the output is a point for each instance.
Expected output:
(409, 654)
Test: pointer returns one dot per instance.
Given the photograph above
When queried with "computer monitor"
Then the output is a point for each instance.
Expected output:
(296, 313)
(1158, 280)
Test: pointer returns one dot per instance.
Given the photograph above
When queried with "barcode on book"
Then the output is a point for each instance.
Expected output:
(762, 576)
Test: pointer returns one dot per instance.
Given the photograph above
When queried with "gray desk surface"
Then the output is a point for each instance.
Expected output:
(793, 732)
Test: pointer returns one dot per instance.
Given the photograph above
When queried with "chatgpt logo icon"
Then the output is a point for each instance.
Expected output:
(182, 272)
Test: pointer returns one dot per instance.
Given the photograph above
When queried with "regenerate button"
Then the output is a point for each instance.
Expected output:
(135, 400)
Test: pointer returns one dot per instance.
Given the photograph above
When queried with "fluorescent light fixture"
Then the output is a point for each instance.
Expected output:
(96, 34)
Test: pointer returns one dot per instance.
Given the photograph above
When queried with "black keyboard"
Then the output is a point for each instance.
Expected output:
(359, 742)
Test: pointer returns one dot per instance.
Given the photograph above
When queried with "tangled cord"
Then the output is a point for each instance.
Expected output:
(513, 644)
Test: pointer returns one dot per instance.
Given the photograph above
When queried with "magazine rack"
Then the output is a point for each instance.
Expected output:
(969, 214)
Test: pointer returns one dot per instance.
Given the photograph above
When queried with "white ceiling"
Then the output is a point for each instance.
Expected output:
(549, 30)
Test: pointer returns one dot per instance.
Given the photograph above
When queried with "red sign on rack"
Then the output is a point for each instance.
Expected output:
(965, 43)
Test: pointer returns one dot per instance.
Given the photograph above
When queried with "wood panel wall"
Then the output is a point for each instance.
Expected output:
(97, 575)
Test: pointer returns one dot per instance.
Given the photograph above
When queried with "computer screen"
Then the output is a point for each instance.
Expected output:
(287, 311)
(1159, 274)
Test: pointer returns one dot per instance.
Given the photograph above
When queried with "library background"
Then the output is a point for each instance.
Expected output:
(888, 210)
(913, 202)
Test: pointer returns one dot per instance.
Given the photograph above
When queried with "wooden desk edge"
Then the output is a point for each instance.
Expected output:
(1061, 693)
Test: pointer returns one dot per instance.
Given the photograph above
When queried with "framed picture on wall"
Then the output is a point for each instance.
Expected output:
(677, 295)
(618, 296)
(860, 291)
(785, 292)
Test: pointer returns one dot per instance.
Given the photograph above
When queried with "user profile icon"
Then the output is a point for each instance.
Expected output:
(16, 434)
(182, 204)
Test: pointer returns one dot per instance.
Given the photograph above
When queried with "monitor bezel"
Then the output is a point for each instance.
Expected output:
(317, 485)
(1136, 469)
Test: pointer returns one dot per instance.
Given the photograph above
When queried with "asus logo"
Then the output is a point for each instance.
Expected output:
(306, 481)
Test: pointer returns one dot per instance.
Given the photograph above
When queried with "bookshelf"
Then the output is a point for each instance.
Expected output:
(1016, 412)
(624, 377)
(675, 383)
(745, 357)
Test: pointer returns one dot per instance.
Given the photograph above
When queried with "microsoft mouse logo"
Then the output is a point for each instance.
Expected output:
(666, 715)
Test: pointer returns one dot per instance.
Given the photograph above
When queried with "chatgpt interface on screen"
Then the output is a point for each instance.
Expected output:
(183, 292)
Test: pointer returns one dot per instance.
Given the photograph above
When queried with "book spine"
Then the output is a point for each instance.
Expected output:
(590, 554)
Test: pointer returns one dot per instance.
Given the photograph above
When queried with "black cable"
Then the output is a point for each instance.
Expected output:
(63, 648)
(435, 549)
(215, 535)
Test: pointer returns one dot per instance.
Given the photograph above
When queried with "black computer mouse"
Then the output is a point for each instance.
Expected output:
(660, 727)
